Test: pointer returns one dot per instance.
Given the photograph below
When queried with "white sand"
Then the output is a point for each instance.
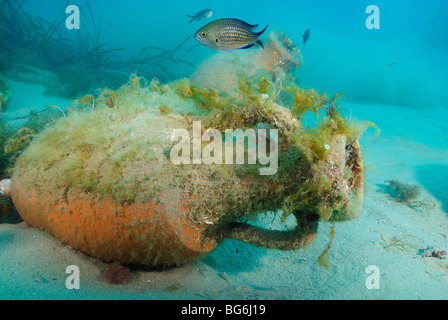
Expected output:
(412, 147)
(29, 97)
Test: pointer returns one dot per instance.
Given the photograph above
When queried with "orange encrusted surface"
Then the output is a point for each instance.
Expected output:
(135, 233)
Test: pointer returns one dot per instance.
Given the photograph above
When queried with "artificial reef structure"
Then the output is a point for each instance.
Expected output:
(105, 179)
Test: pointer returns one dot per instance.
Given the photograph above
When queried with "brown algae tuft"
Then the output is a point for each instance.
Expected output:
(5, 92)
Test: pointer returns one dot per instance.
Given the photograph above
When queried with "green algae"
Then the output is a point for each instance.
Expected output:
(107, 159)
(323, 260)
(5, 92)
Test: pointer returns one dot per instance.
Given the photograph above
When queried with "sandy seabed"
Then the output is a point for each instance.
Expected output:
(412, 147)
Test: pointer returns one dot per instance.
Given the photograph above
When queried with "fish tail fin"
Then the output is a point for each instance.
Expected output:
(261, 32)
(260, 43)
(194, 17)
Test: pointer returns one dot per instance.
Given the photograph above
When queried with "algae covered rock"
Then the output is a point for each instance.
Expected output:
(160, 174)
(5, 92)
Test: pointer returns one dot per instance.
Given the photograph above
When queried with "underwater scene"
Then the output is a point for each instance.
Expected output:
(223, 150)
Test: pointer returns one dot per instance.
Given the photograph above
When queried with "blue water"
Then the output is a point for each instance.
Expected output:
(342, 55)
(395, 76)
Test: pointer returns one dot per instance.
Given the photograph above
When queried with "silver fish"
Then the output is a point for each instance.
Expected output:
(201, 15)
(229, 34)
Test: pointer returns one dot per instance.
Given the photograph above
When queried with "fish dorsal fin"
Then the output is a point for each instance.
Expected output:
(251, 26)
(237, 20)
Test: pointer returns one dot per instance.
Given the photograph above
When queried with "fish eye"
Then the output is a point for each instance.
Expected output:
(203, 34)
(217, 40)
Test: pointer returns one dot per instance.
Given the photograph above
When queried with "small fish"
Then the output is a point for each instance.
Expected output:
(229, 34)
(306, 36)
(40, 279)
(201, 15)
(392, 63)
